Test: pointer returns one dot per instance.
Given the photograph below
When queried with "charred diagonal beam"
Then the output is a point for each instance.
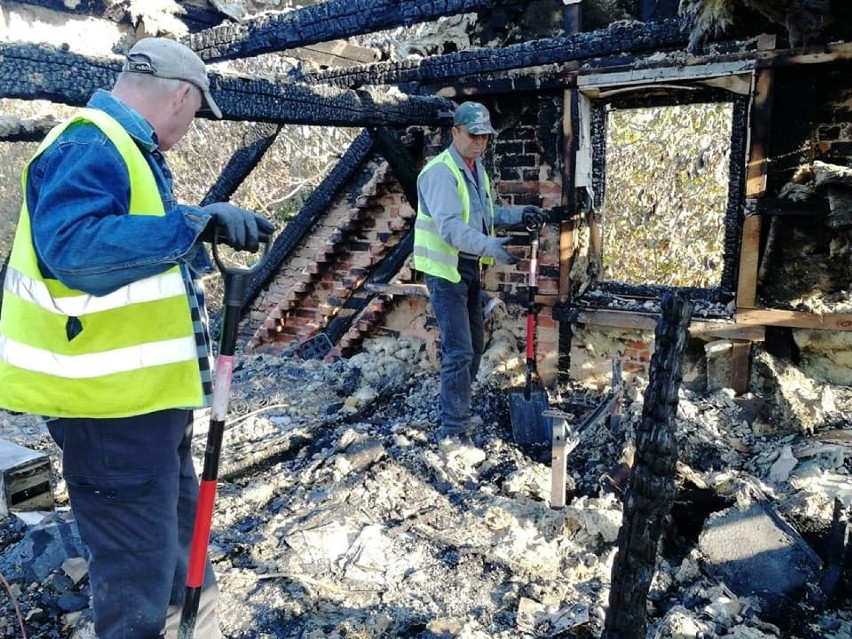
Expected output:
(619, 38)
(242, 162)
(362, 296)
(404, 168)
(319, 23)
(317, 204)
(31, 72)
(652, 487)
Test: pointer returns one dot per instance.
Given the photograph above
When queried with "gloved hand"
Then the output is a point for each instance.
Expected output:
(239, 228)
(534, 217)
(497, 250)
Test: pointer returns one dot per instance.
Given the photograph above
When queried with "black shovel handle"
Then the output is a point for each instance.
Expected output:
(236, 283)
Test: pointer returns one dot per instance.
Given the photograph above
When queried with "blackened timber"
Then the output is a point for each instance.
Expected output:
(43, 72)
(28, 130)
(634, 37)
(242, 162)
(321, 22)
(652, 488)
(315, 206)
(194, 17)
(400, 160)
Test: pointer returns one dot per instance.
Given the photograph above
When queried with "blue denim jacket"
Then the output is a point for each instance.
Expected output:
(78, 195)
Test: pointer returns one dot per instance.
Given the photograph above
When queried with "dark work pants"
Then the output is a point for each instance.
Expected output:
(133, 493)
(458, 311)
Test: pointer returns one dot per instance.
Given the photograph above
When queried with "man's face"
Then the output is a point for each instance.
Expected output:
(185, 103)
(470, 146)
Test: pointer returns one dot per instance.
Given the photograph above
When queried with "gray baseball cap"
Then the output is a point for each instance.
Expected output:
(167, 58)
(474, 117)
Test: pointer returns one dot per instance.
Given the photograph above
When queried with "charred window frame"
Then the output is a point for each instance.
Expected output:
(594, 108)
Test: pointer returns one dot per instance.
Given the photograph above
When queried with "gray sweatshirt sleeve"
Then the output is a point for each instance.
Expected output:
(508, 215)
(438, 195)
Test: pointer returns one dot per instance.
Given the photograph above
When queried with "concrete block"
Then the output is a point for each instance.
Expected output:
(24, 479)
(756, 553)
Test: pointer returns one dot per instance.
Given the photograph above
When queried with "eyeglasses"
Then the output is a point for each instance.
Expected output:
(478, 137)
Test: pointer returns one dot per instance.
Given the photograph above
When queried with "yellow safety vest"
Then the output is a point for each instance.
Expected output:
(136, 352)
(432, 255)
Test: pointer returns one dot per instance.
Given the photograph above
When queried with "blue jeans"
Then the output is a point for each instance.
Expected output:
(458, 310)
(133, 493)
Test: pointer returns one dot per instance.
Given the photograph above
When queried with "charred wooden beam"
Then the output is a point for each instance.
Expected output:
(28, 130)
(619, 38)
(31, 72)
(319, 23)
(652, 489)
(242, 162)
(402, 164)
(316, 205)
(194, 16)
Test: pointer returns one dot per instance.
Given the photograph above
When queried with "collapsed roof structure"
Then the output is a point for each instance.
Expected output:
(340, 269)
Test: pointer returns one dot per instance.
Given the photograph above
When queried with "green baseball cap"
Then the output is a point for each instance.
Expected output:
(474, 117)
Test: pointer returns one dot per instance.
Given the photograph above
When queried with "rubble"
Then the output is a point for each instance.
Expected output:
(341, 516)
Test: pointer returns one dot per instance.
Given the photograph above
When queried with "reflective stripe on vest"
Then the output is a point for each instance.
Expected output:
(66, 353)
(432, 255)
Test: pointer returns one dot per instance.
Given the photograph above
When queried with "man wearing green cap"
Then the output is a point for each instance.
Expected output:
(454, 233)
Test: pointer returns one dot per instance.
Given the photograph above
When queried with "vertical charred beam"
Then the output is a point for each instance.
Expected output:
(317, 204)
(321, 22)
(400, 160)
(652, 488)
(573, 17)
(242, 162)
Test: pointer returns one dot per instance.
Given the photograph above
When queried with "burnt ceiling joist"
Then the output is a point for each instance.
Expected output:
(41, 72)
(320, 22)
(620, 38)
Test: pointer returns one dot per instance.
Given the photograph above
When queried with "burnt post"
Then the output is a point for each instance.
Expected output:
(651, 491)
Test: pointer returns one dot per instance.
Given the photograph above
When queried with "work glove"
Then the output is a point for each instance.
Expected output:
(497, 249)
(534, 217)
(240, 229)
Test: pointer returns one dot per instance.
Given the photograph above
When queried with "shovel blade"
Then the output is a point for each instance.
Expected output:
(529, 426)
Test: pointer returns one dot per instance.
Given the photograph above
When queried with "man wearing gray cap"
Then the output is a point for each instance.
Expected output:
(103, 331)
(454, 233)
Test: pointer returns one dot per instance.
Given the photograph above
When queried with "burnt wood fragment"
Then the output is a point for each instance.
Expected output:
(315, 206)
(319, 23)
(28, 130)
(617, 39)
(194, 16)
(242, 162)
(651, 493)
(43, 72)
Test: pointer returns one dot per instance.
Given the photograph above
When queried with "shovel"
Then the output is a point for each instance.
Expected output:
(527, 405)
(237, 281)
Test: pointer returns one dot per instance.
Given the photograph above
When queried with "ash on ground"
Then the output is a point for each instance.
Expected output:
(339, 515)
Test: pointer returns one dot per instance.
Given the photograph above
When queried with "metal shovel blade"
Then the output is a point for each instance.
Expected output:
(529, 426)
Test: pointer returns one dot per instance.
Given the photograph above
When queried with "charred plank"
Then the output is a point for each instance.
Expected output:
(616, 39)
(242, 162)
(31, 72)
(319, 23)
(652, 487)
(316, 205)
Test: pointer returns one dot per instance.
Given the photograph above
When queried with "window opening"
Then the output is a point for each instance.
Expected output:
(666, 196)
